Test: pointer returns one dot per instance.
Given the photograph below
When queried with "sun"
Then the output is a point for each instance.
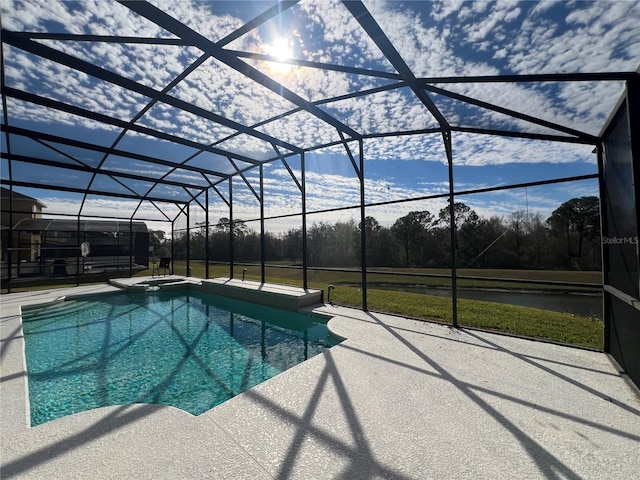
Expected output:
(282, 49)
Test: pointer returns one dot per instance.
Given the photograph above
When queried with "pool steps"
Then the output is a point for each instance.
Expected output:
(45, 304)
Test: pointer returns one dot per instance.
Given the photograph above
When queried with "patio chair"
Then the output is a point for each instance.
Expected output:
(59, 266)
(165, 262)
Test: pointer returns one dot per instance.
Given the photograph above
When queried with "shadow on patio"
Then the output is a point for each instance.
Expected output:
(398, 399)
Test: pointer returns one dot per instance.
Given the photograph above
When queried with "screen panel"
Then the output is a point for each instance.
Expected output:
(620, 235)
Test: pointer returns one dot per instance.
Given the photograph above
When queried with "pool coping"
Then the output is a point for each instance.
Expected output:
(15, 414)
(399, 398)
(285, 297)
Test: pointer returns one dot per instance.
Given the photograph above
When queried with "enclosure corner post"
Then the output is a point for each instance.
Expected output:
(363, 230)
(188, 268)
(78, 253)
(206, 235)
(262, 242)
(173, 255)
(604, 253)
(231, 228)
(304, 222)
(446, 135)
(130, 247)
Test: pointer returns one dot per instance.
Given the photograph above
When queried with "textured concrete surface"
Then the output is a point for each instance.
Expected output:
(284, 297)
(398, 399)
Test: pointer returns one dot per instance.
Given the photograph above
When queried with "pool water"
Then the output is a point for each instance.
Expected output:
(188, 349)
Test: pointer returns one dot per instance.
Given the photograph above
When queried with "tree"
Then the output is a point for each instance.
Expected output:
(342, 252)
(381, 245)
(161, 246)
(569, 238)
(462, 214)
(465, 217)
(411, 230)
(517, 224)
(247, 245)
(537, 241)
(371, 229)
(292, 245)
(239, 227)
(576, 220)
(481, 245)
(197, 243)
(318, 241)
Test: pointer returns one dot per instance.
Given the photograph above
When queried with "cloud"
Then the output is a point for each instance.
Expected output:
(390, 111)
(425, 48)
(479, 150)
(56, 81)
(500, 13)
(541, 200)
(594, 36)
(342, 39)
(443, 9)
(435, 39)
(589, 36)
(106, 208)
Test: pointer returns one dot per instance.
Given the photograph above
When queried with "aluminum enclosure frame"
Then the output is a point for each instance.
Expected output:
(221, 182)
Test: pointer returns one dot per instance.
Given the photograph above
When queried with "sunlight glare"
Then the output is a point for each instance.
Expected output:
(282, 49)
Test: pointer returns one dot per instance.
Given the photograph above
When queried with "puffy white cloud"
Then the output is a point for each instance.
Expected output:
(487, 150)
(435, 39)
(501, 13)
(342, 40)
(592, 36)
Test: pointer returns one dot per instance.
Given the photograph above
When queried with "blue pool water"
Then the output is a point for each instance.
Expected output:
(188, 349)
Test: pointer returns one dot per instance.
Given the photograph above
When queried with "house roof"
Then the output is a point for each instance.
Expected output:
(62, 225)
(5, 194)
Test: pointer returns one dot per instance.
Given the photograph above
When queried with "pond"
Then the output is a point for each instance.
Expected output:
(581, 304)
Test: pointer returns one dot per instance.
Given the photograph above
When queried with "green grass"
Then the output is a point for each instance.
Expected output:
(531, 275)
(384, 278)
(29, 285)
(558, 275)
(512, 319)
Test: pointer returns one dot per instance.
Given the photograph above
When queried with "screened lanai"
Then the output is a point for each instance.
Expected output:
(352, 144)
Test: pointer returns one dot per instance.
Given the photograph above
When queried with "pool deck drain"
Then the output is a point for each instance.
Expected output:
(398, 399)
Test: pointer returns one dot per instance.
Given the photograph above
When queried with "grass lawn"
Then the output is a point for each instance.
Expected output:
(513, 319)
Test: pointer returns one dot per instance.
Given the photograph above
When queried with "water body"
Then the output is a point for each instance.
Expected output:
(182, 348)
(584, 305)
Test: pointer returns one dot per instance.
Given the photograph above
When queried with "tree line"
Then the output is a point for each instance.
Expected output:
(568, 239)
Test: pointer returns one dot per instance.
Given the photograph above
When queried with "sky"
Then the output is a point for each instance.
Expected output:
(435, 39)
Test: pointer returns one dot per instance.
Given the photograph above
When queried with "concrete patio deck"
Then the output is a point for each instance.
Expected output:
(399, 399)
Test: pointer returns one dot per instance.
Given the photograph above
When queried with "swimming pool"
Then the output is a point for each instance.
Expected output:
(189, 349)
